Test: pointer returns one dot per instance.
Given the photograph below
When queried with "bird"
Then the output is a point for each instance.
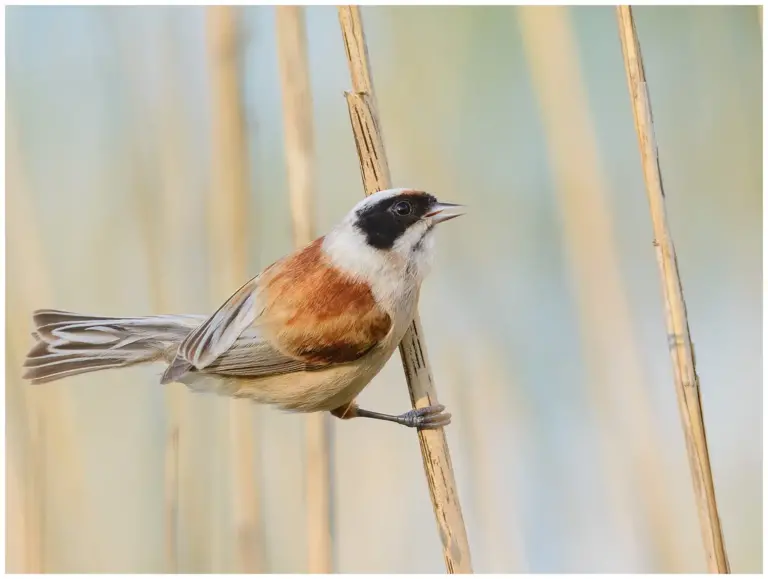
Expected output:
(307, 334)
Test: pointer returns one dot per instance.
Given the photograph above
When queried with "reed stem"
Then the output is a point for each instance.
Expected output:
(679, 334)
(623, 414)
(228, 210)
(375, 172)
(300, 155)
(54, 465)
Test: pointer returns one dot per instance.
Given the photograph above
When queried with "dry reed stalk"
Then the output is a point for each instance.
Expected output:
(174, 219)
(679, 335)
(16, 519)
(175, 394)
(27, 524)
(163, 220)
(171, 475)
(21, 556)
(51, 445)
(228, 210)
(156, 243)
(375, 172)
(501, 403)
(25, 516)
(299, 152)
(163, 289)
(605, 319)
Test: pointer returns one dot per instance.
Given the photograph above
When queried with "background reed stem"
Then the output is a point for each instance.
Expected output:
(299, 156)
(679, 335)
(375, 172)
(623, 413)
(52, 458)
(25, 492)
(228, 211)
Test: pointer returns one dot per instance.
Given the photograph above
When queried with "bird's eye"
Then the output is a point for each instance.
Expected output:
(403, 208)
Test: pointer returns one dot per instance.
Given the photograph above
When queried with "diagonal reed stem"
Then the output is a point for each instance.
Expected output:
(679, 334)
(588, 232)
(375, 172)
(299, 155)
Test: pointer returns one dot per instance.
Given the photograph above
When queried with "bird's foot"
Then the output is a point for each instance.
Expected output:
(428, 417)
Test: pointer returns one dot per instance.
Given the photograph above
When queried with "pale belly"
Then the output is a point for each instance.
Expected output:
(319, 390)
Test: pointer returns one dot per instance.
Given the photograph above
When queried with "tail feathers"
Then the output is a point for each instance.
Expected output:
(70, 344)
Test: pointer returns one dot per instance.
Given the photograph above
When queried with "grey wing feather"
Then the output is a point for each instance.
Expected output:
(253, 357)
(228, 343)
(221, 330)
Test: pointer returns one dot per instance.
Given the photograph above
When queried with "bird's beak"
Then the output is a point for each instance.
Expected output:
(440, 212)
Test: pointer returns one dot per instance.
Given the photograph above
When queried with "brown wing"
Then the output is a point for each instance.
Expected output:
(299, 314)
(317, 314)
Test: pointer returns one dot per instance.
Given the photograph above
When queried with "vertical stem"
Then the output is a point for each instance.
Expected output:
(299, 152)
(228, 210)
(679, 335)
(54, 463)
(375, 172)
(298, 128)
(605, 320)
(172, 484)
(163, 219)
(28, 275)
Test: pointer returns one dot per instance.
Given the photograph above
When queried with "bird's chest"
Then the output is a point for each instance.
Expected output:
(401, 306)
(342, 384)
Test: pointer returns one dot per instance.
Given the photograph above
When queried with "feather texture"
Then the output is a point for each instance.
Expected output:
(68, 344)
(316, 313)
(306, 334)
(300, 314)
(218, 333)
(252, 356)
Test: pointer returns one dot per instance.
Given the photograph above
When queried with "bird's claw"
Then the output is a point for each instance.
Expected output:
(427, 417)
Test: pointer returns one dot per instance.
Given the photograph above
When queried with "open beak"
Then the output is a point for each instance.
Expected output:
(440, 212)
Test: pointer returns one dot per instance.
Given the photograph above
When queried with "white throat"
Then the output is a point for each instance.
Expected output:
(395, 274)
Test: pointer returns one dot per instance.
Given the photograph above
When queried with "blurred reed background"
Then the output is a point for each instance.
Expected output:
(543, 314)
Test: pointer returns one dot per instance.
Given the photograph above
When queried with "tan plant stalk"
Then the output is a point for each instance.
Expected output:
(163, 219)
(25, 449)
(601, 297)
(54, 466)
(299, 153)
(375, 172)
(228, 210)
(174, 220)
(501, 535)
(679, 335)
(22, 540)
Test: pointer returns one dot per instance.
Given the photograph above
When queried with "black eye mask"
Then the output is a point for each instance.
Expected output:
(384, 222)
